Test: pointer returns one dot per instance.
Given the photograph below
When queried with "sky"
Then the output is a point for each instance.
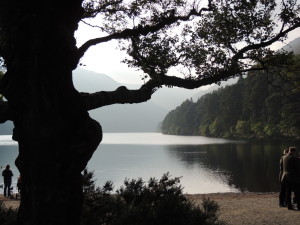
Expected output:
(105, 58)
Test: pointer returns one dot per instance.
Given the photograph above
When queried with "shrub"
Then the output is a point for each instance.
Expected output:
(159, 202)
(100, 206)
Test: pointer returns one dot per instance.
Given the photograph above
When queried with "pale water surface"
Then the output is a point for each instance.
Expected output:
(159, 139)
(206, 165)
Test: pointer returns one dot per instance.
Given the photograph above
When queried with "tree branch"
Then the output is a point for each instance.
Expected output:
(120, 96)
(269, 42)
(141, 30)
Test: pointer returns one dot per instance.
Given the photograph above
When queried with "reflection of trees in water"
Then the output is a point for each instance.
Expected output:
(252, 166)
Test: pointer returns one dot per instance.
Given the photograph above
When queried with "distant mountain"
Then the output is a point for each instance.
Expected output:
(293, 46)
(89, 81)
(142, 117)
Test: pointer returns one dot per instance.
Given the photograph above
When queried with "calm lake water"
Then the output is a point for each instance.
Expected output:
(206, 165)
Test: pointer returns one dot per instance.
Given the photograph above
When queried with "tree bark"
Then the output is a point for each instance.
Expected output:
(55, 134)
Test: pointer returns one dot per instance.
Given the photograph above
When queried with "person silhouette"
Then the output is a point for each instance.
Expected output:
(282, 193)
(7, 176)
(291, 177)
(19, 185)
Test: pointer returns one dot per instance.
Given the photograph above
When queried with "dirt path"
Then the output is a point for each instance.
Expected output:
(10, 202)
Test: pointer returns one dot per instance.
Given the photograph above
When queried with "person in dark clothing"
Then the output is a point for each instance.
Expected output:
(19, 184)
(282, 193)
(7, 176)
(291, 177)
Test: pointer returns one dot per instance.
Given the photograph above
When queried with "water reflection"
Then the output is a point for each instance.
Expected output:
(251, 166)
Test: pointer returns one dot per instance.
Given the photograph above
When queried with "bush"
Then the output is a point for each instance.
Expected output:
(8, 216)
(159, 202)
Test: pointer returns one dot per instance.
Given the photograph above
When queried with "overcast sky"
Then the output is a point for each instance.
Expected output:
(106, 58)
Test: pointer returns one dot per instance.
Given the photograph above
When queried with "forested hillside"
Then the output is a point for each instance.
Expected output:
(255, 107)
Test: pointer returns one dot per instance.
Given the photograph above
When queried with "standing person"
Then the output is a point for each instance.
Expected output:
(19, 184)
(282, 193)
(7, 176)
(291, 177)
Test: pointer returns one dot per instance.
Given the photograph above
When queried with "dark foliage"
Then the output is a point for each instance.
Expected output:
(159, 202)
(258, 106)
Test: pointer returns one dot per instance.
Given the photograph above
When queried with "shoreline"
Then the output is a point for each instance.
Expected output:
(245, 208)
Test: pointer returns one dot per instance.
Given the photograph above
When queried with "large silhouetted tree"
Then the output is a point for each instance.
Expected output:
(56, 137)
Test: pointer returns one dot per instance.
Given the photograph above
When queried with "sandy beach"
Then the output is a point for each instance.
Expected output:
(251, 209)
(238, 208)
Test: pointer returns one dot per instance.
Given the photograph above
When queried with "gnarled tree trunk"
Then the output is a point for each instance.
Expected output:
(56, 136)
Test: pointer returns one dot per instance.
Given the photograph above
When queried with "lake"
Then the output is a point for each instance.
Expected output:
(205, 165)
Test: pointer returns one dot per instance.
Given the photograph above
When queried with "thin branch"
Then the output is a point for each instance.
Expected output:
(267, 43)
(140, 30)
(105, 7)
(90, 25)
